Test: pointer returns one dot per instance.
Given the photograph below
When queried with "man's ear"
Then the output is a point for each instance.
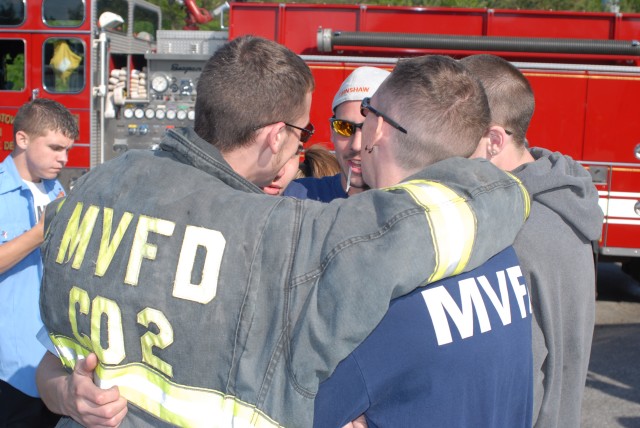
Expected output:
(275, 136)
(22, 140)
(496, 140)
(379, 131)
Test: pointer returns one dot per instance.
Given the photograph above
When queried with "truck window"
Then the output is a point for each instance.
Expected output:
(145, 23)
(11, 12)
(12, 69)
(63, 65)
(63, 13)
(119, 7)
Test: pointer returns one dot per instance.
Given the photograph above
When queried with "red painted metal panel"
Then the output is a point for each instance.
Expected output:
(611, 125)
(430, 20)
(628, 27)
(301, 25)
(259, 20)
(80, 154)
(7, 114)
(558, 120)
(623, 223)
(328, 78)
(554, 24)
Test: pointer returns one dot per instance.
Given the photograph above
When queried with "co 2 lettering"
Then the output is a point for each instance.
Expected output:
(103, 313)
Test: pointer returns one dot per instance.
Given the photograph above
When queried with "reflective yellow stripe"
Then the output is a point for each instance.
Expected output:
(69, 350)
(181, 405)
(525, 195)
(451, 221)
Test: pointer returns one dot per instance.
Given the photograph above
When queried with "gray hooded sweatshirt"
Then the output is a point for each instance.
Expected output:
(556, 255)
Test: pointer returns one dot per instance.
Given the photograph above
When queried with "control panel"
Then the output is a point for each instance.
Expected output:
(158, 97)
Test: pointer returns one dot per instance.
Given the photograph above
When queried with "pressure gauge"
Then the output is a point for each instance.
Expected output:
(182, 114)
(160, 114)
(159, 83)
(138, 113)
(171, 114)
(186, 87)
(149, 113)
(128, 113)
(191, 115)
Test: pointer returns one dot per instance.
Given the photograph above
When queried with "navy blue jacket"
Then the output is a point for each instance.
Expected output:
(323, 189)
(455, 354)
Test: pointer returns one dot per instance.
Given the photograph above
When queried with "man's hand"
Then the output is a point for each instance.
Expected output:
(360, 422)
(75, 394)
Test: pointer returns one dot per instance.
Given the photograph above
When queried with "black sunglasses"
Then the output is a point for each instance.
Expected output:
(366, 106)
(305, 133)
(343, 127)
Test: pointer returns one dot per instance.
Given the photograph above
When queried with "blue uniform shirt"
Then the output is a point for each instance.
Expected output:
(20, 351)
(456, 353)
(324, 189)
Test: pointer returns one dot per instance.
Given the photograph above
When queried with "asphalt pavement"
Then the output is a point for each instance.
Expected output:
(612, 395)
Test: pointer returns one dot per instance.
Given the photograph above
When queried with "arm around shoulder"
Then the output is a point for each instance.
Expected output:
(448, 219)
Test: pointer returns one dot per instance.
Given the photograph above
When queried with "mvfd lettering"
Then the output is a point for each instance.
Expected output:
(73, 247)
(440, 304)
(80, 228)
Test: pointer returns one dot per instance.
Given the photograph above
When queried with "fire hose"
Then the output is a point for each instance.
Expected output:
(329, 39)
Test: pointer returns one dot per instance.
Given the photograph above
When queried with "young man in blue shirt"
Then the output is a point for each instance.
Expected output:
(44, 131)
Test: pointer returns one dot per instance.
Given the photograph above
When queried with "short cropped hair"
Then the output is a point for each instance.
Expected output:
(38, 117)
(510, 95)
(442, 106)
(249, 83)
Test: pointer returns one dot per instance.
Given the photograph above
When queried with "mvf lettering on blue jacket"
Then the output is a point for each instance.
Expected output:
(440, 303)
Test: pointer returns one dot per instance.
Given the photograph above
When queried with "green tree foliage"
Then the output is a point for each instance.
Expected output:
(174, 14)
(15, 72)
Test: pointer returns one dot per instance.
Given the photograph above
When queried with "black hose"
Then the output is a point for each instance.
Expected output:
(485, 43)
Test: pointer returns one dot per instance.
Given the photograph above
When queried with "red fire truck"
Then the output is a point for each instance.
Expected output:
(128, 81)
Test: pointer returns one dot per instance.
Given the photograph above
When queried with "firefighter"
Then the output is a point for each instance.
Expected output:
(207, 302)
